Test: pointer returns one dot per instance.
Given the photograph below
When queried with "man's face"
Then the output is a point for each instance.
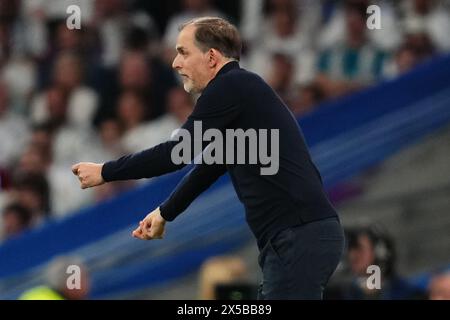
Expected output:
(191, 63)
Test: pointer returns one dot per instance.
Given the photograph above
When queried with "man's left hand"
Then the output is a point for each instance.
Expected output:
(152, 227)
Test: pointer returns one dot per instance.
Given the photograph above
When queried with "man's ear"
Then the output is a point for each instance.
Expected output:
(213, 56)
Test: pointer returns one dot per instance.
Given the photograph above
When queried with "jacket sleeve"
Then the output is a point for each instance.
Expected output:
(200, 178)
(217, 108)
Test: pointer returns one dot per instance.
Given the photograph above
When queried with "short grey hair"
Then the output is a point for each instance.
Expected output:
(217, 33)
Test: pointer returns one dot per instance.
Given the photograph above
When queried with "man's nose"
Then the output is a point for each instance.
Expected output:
(175, 63)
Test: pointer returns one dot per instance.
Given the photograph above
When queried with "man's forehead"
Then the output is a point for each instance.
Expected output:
(185, 36)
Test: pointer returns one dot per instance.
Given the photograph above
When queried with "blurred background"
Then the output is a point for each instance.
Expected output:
(374, 106)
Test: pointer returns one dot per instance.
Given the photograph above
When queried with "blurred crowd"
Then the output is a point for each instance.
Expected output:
(96, 93)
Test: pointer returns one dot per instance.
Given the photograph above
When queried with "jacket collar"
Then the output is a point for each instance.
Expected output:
(228, 67)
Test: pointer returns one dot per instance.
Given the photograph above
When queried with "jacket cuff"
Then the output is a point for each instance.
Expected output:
(165, 212)
(107, 172)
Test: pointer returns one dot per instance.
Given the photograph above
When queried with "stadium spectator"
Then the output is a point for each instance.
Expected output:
(111, 21)
(367, 246)
(31, 190)
(180, 105)
(14, 130)
(331, 26)
(149, 134)
(404, 60)
(111, 132)
(421, 43)
(148, 77)
(429, 17)
(354, 63)
(119, 29)
(81, 43)
(42, 138)
(131, 111)
(282, 35)
(15, 219)
(306, 98)
(9, 11)
(82, 101)
(281, 76)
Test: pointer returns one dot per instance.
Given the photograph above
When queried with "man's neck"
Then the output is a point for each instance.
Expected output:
(220, 66)
(217, 69)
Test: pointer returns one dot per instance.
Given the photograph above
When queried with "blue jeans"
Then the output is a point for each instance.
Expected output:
(298, 261)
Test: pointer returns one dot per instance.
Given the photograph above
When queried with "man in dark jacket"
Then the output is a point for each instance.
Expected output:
(297, 229)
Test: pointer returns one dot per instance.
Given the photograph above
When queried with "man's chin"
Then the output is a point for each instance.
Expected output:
(189, 89)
